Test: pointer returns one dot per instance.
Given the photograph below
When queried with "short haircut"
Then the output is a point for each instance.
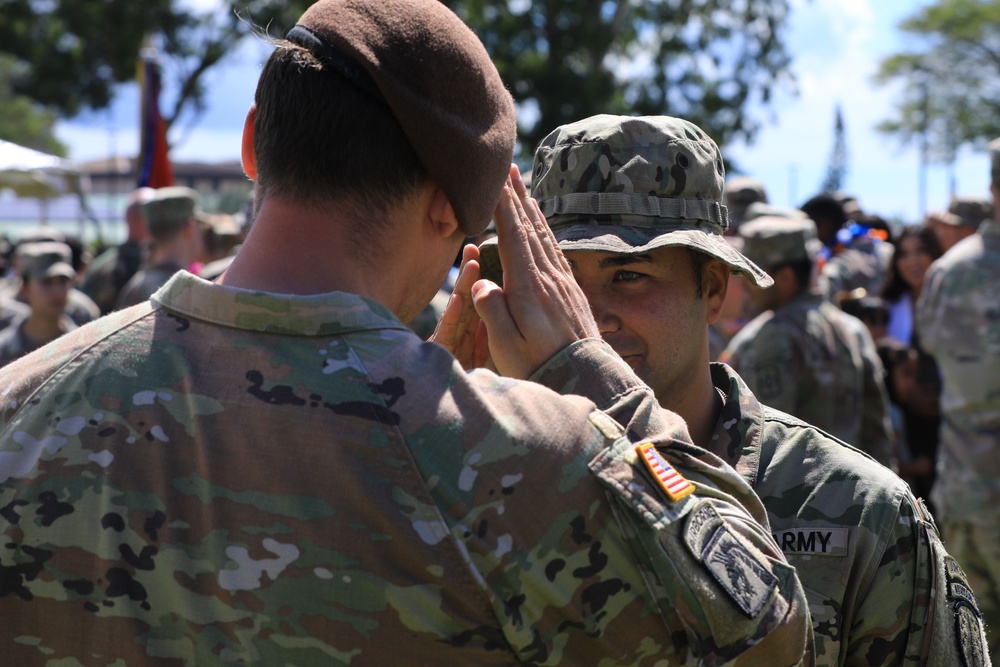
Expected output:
(825, 207)
(318, 137)
(801, 269)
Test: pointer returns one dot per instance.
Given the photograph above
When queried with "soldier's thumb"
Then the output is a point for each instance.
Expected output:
(491, 304)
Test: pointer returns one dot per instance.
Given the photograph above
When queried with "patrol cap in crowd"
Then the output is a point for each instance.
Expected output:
(437, 79)
(968, 211)
(771, 241)
(630, 185)
(170, 208)
(45, 259)
(760, 209)
(745, 190)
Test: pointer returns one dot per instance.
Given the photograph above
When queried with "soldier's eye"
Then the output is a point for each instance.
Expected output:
(626, 276)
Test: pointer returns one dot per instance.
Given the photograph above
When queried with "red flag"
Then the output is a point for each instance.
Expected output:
(155, 170)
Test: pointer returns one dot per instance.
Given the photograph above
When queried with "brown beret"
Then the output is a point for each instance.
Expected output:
(436, 77)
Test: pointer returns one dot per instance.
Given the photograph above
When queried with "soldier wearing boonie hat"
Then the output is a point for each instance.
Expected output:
(45, 259)
(630, 185)
(627, 199)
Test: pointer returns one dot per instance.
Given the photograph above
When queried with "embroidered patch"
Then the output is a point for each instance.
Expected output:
(813, 541)
(968, 619)
(768, 383)
(701, 522)
(739, 573)
(671, 481)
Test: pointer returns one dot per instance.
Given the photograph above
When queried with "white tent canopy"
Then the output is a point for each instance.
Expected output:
(31, 173)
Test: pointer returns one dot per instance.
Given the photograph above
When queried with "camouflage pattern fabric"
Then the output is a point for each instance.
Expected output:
(144, 284)
(958, 319)
(881, 588)
(14, 344)
(814, 361)
(109, 272)
(224, 476)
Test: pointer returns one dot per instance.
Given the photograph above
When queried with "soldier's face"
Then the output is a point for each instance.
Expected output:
(648, 309)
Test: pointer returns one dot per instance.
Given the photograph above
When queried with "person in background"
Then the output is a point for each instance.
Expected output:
(741, 192)
(177, 228)
(962, 219)
(803, 355)
(46, 275)
(959, 325)
(913, 379)
(112, 269)
(273, 469)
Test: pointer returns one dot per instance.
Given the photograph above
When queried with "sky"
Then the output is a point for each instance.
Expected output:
(835, 45)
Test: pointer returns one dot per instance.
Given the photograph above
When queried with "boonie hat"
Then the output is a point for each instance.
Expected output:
(45, 259)
(627, 184)
(771, 241)
(745, 190)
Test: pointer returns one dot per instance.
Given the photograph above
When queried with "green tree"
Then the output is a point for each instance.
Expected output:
(951, 83)
(22, 120)
(703, 60)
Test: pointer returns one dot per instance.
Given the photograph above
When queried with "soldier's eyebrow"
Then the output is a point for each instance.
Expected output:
(617, 260)
(625, 260)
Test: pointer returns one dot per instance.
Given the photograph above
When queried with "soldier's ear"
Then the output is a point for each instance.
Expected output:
(714, 287)
(246, 153)
(441, 213)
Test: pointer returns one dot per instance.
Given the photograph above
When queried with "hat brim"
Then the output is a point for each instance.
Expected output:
(61, 269)
(632, 241)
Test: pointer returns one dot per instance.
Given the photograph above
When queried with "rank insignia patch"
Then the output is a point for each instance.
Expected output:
(671, 481)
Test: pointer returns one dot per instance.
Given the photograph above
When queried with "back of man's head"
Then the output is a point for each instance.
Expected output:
(369, 98)
(169, 210)
(828, 213)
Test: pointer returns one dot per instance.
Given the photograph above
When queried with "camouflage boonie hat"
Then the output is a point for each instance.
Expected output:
(45, 259)
(630, 185)
(771, 241)
(969, 211)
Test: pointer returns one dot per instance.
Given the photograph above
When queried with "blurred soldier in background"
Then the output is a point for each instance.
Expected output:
(958, 318)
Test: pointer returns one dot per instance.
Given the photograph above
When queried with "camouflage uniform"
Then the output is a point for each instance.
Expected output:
(163, 484)
(862, 264)
(109, 272)
(145, 283)
(14, 344)
(958, 318)
(809, 358)
(881, 587)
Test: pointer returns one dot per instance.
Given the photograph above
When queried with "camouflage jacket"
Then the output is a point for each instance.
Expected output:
(958, 318)
(14, 344)
(881, 588)
(814, 361)
(863, 264)
(109, 272)
(144, 283)
(222, 476)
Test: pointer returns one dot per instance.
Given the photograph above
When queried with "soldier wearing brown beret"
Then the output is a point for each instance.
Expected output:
(273, 469)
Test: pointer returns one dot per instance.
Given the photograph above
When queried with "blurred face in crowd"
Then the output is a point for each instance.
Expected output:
(912, 261)
(649, 308)
(47, 296)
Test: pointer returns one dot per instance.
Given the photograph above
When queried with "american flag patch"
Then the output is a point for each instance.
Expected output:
(671, 481)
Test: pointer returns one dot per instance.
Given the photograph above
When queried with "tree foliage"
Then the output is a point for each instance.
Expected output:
(951, 84)
(22, 120)
(704, 60)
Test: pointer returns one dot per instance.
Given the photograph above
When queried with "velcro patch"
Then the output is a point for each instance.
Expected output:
(813, 540)
(700, 526)
(968, 619)
(668, 479)
(768, 383)
(739, 573)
